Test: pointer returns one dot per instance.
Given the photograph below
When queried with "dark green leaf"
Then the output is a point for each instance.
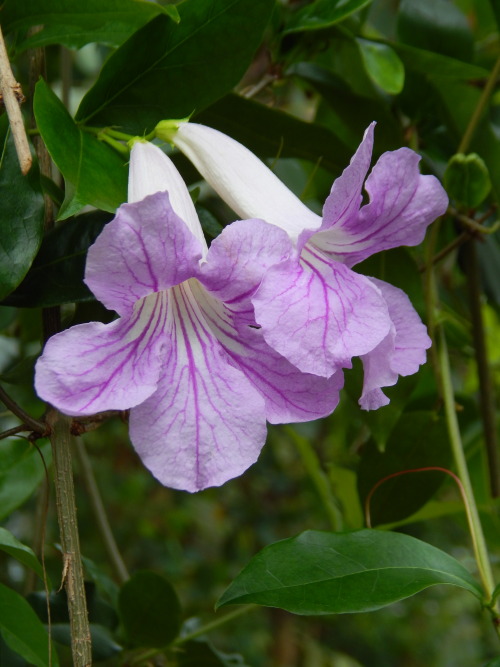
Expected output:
(168, 71)
(435, 25)
(21, 471)
(418, 440)
(57, 273)
(19, 551)
(382, 65)
(323, 14)
(272, 133)
(150, 610)
(105, 585)
(495, 6)
(21, 372)
(94, 173)
(21, 219)
(103, 644)
(75, 24)
(350, 113)
(437, 65)
(200, 652)
(22, 630)
(337, 573)
(489, 261)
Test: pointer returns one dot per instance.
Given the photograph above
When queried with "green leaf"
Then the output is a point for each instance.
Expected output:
(57, 273)
(105, 585)
(19, 551)
(467, 180)
(284, 135)
(75, 24)
(349, 113)
(382, 65)
(21, 471)
(436, 25)
(94, 173)
(103, 644)
(495, 7)
(21, 219)
(323, 14)
(201, 59)
(418, 440)
(22, 630)
(201, 652)
(338, 573)
(434, 65)
(150, 610)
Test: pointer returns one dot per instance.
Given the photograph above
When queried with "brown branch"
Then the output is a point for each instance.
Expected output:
(12, 96)
(33, 424)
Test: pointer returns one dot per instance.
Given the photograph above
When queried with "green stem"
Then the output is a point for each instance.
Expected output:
(202, 630)
(60, 440)
(478, 540)
(100, 513)
(480, 106)
(318, 477)
(217, 623)
(117, 145)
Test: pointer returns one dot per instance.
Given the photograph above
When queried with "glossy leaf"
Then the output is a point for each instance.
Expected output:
(382, 65)
(150, 610)
(19, 551)
(419, 439)
(57, 273)
(323, 14)
(21, 471)
(337, 573)
(22, 630)
(284, 136)
(435, 25)
(94, 173)
(75, 24)
(21, 218)
(201, 59)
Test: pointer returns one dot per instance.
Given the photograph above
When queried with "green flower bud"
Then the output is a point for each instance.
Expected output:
(467, 180)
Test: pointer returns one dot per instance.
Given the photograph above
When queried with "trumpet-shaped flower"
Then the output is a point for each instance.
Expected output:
(184, 354)
(313, 309)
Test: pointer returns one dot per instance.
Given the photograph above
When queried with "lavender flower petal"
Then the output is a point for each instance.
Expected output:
(290, 396)
(94, 367)
(319, 314)
(400, 353)
(145, 248)
(206, 423)
(402, 205)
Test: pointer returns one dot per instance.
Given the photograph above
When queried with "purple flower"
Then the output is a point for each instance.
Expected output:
(313, 309)
(185, 353)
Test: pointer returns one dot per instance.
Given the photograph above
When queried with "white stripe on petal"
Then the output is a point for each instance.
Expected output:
(94, 367)
(206, 422)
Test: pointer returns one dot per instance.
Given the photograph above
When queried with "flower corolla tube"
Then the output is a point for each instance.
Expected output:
(312, 307)
(185, 354)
